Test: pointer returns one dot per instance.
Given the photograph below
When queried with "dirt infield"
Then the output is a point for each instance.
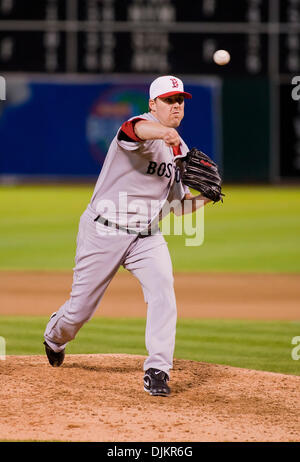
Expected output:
(239, 296)
(101, 398)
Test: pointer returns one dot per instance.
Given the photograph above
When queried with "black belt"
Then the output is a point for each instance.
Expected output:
(108, 223)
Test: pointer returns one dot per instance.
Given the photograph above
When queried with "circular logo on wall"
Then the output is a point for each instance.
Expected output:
(113, 107)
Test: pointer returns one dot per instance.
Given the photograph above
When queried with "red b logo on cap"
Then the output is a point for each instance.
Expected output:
(174, 83)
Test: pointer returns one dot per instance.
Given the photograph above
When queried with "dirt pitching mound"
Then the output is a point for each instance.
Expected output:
(101, 398)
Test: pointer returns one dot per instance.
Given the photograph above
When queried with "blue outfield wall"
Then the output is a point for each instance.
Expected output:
(65, 128)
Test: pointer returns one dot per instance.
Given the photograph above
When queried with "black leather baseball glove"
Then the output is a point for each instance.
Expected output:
(202, 174)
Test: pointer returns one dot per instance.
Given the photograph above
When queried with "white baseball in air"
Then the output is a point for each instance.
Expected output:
(221, 57)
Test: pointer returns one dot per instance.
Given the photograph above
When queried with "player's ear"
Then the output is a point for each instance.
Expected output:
(152, 105)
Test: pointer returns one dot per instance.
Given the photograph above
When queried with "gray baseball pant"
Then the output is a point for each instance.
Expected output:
(99, 255)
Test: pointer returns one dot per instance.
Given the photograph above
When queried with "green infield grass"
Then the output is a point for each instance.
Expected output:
(260, 345)
(256, 229)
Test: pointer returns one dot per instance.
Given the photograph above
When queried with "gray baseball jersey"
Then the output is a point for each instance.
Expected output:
(137, 178)
(146, 174)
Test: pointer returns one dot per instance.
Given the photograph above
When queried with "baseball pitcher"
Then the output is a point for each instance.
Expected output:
(147, 165)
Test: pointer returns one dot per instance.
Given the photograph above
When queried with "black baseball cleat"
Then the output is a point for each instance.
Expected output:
(55, 359)
(155, 382)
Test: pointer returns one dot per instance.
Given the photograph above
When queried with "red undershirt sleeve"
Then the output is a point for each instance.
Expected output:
(176, 150)
(128, 130)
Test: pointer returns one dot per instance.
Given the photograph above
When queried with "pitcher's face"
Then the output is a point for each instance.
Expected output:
(169, 110)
